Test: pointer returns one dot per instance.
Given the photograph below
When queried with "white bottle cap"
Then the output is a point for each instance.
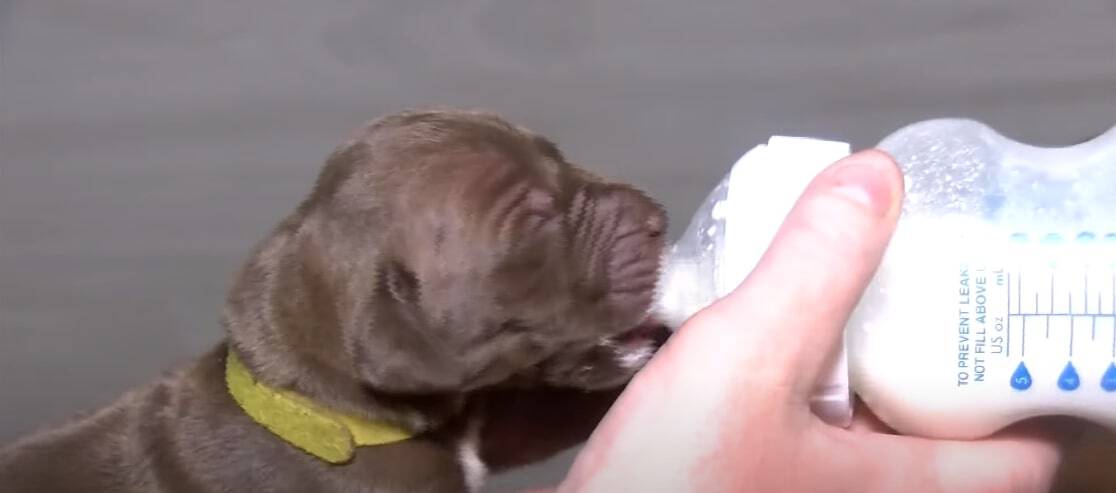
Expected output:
(763, 187)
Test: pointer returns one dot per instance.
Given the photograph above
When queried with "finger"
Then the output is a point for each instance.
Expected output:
(1023, 458)
(818, 264)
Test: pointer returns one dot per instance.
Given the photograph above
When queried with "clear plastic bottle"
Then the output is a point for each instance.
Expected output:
(995, 301)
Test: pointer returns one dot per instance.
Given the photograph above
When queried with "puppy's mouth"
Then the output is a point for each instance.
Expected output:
(633, 348)
(649, 333)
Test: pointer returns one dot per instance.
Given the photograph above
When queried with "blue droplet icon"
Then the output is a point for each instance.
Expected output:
(1086, 236)
(1108, 381)
(1069, 379)
(1021, 379)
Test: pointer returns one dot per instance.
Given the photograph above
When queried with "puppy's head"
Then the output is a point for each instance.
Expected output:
(450, 250)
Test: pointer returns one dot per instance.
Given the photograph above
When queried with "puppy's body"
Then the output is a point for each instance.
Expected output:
(183, 433)
(450, 274)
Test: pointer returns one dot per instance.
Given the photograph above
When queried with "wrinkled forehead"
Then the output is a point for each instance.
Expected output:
(462, 200)
(476, 179)
(400, 161)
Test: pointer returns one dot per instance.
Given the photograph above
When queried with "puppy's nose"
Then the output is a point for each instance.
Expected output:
(655, 224)
(636, 210)
(645, 210)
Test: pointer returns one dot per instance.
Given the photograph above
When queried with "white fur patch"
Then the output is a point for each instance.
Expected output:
(634, 358)
(631, 358)
(468, 454)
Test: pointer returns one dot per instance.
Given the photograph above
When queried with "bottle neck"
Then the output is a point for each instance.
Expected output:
(730, 232)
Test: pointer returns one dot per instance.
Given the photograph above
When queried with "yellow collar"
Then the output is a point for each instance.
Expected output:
(324, 433)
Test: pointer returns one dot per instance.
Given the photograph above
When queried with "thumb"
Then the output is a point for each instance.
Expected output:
(817, 266)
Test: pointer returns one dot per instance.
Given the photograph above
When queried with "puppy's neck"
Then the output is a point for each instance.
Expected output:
(329, 435)
(281, 318)
(327, 387)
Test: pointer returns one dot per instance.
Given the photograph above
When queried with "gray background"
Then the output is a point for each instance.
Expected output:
(146, 145)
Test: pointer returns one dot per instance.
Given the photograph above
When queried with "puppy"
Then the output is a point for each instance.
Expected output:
(452, 291)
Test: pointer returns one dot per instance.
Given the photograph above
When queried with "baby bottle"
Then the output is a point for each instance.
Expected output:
(995, 300)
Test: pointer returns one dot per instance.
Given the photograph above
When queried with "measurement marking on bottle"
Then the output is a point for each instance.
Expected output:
(1085, 293)
(1075, 301)
(1071, 335)
(1007, 323)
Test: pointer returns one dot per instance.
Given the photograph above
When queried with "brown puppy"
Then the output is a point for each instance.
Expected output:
(450, 275)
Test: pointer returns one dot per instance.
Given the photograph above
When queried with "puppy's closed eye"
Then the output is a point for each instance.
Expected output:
(514, 326)
(504, 329)
(527, 213)
(401, 283)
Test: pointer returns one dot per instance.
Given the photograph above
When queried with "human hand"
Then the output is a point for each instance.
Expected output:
(724, 406)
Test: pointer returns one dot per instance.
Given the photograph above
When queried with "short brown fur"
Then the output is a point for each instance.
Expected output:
(448, 269)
